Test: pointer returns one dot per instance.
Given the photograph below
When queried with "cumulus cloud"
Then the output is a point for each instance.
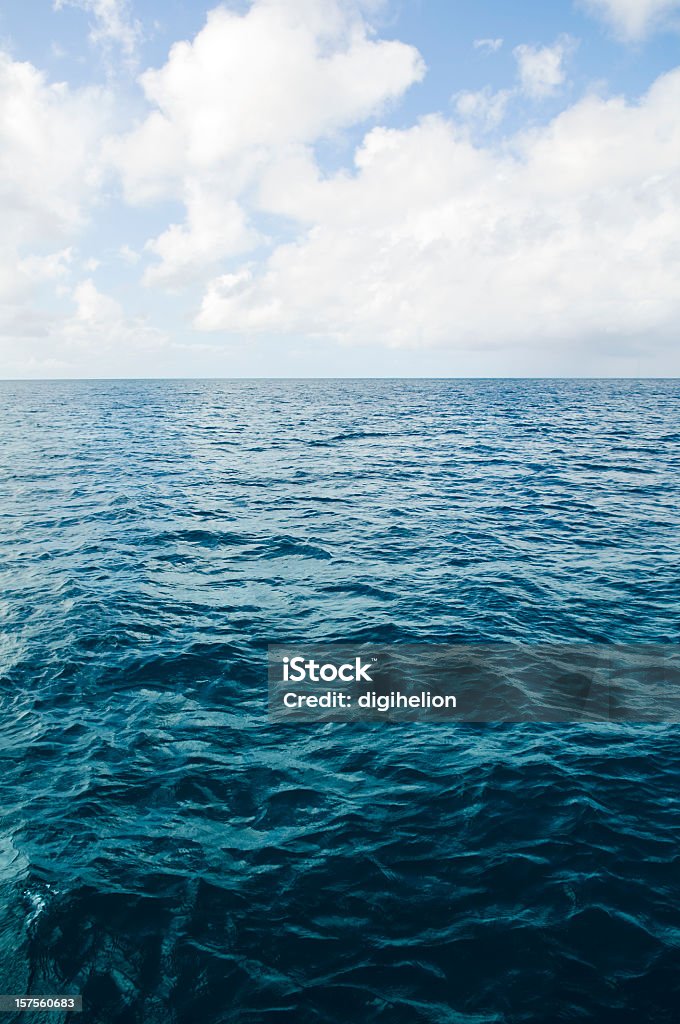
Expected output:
(287, 72)
(95, 336)
(541, 239)
(50, 172)
(99, 318)
(129, 255)
(483, 107)
(51, 266)
(633, 19)
(540, 73)
(51, 176)
(112, 22)
(215, 229)
(541, 69)
(567, 232)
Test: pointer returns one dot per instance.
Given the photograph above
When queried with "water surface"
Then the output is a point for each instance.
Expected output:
(174, 857)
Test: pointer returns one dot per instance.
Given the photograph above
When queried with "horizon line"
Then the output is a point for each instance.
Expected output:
(103, 380)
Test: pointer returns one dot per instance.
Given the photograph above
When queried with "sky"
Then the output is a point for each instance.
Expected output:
(339, 188)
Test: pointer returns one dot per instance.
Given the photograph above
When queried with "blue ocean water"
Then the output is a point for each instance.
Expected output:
(173, 856)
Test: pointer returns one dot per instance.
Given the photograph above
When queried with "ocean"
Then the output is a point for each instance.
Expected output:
(171, 854)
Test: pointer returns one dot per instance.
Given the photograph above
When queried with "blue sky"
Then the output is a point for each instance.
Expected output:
(339, 188)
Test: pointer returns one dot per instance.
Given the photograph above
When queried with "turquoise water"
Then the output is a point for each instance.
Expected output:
(174, 857)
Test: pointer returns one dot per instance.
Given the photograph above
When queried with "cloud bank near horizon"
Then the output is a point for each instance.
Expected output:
(494, 225)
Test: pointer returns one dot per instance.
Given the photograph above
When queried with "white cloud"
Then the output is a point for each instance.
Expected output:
(51, 176)
(100, 327)
(96, 337)
(93, 307)
(540, 73)
(488, 45)
(49, 137)
(633, 19)
(541, 69)
(99, 320)
(215, 229)
(22, 277)
(50, 172)
(112, 22)
(129, 255)
(567, 234)
(287, 72)
(484, 107)
(49, 267)
(560, 235)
